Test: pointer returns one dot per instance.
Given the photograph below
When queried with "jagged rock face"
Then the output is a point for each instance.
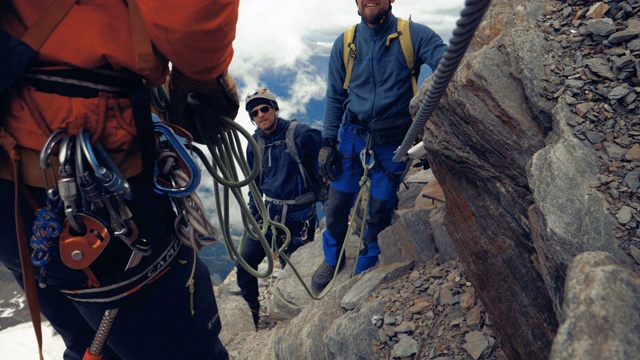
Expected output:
(533, 146)
(601, 295)
(489, 124)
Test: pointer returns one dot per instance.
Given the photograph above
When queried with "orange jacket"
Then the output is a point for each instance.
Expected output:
(194, 35)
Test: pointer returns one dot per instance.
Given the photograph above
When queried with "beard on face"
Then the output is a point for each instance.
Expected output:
(374, 19)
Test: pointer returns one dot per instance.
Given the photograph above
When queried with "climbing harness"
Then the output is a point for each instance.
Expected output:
(91, 193)
(177, 175)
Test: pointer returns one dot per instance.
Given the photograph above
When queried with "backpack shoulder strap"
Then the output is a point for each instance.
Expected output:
(407, 50)
(39, 32)
(293, 150)
(348, 53)
(261, 149)
(403, 34)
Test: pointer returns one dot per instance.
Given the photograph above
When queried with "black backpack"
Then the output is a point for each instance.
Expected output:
(309, 176)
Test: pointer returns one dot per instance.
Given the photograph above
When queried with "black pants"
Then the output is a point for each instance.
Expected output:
(162, 320)
(253, 253)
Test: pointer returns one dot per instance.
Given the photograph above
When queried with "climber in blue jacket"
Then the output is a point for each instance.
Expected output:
(373, 106)
(287, 195)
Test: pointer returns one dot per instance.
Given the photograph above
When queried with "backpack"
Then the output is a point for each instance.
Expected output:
(349, 50)
(309, 176)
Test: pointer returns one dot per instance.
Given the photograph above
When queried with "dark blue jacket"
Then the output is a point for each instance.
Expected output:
(380, 87)
(281, 179)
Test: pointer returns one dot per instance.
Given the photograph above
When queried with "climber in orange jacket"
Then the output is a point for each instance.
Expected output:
(93, 73)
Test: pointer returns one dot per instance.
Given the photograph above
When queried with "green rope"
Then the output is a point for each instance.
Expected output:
(221, 137)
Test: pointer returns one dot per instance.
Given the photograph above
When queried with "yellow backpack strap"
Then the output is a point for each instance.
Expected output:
(348, 53)
(407, 50)
(404, 35)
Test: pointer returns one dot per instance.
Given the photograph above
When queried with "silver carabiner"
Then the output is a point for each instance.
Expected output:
(48, 148)
(65, 156)
(85, 143)
(112, 179)
(67, 184)
(368, 150)
(53, 193)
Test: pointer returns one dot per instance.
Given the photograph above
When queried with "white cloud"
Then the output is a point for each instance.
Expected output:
(274, 35)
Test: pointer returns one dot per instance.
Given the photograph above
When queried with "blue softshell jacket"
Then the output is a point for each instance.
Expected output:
(281, 178)
(380, 86)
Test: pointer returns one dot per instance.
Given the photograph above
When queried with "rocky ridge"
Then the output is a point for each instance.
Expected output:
(430, 311)
(433, 313)
(593, 63)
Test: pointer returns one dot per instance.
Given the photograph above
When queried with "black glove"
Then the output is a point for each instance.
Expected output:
(330, 162)
(220, 94)
(256, 215)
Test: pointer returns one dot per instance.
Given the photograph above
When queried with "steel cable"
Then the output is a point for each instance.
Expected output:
(470, 18)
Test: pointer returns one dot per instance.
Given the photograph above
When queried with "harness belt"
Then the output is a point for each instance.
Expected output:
(82, 83)
(121, 289)
(304, 199)
(353, 119)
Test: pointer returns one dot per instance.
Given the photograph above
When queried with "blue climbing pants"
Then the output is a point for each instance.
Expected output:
(385, 178)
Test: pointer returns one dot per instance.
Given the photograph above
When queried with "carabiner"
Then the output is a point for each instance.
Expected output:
(183, 154)
(65, 156)
(367, 150)
(67, 183)
(112, 179)
(48, 148)
(53, 193)
(363, 158)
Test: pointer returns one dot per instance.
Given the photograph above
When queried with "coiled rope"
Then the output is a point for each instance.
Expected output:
(221, 137)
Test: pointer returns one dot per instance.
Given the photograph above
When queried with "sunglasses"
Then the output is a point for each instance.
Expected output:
(265, 109)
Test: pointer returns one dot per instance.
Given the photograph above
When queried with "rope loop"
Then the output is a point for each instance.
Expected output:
(46, 230)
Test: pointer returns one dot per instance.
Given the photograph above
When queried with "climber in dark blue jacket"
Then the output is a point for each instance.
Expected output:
(371, 111)
(287, 196)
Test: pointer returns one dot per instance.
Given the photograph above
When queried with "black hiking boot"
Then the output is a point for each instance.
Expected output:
(256, 318)
(323, 275)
